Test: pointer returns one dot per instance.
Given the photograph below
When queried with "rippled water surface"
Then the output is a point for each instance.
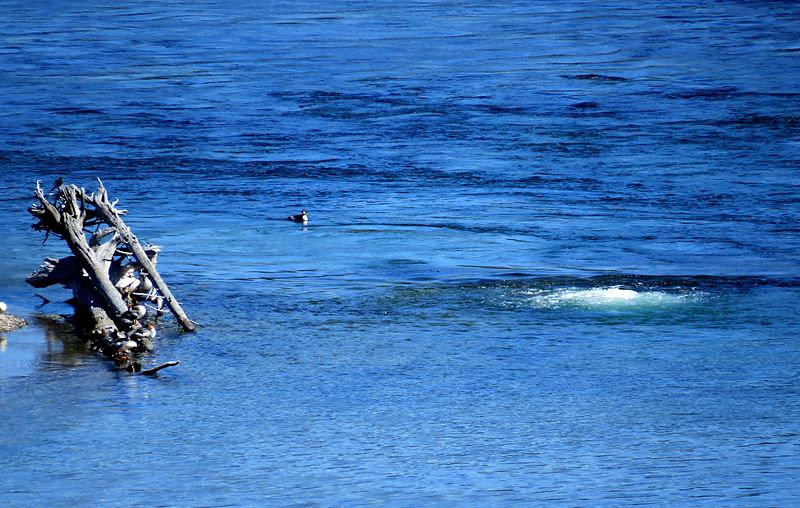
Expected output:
(552, 256)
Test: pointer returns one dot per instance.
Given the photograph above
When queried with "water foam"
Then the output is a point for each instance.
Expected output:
(608, 298)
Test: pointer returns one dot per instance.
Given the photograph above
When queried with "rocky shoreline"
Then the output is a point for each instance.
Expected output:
(9, 323)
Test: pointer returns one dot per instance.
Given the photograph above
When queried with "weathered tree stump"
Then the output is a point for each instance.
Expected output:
(111, 275)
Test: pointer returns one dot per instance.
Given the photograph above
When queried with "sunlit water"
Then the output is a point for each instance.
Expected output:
(552, 255)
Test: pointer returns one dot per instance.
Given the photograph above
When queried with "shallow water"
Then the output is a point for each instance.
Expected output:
(551, 256)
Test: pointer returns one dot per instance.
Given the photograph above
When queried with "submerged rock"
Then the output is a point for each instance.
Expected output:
(9, 323)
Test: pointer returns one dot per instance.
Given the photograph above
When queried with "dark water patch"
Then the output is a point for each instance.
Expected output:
(454, 225)
(713, 94)
(600, 78)
(758, 120)
(607, 297)
(340, 105)
(76, 111)
(585, 105)
(494, 109)
(695, 298)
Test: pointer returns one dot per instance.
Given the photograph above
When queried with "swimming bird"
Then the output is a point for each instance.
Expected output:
(303, 217)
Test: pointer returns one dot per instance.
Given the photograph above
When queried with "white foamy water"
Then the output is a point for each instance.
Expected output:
(611, 298)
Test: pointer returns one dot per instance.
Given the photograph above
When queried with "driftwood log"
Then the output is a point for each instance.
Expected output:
(112, 276)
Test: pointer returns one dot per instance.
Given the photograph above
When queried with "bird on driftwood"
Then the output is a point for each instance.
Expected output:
(303, 217)
(139, 311)
(134, 314)
(57, 183)
(148, 331)
(144, 336)
(124, 345)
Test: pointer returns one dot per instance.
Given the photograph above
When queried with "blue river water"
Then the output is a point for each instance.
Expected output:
(552, 256)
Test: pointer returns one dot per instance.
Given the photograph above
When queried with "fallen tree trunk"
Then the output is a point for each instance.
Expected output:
(90, 307)
(104, 273)
(107, 213)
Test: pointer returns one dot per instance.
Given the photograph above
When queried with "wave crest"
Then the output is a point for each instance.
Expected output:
(607, 298)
